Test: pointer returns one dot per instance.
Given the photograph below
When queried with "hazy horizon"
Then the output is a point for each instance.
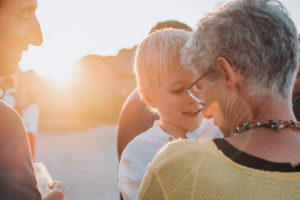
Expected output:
(75, 28)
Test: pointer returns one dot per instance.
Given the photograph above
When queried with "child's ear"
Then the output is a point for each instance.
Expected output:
(213, 111)
(148, 99)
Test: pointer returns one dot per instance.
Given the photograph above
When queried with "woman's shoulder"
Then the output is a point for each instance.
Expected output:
(184, 150)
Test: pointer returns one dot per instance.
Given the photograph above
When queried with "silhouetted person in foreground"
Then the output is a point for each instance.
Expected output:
(19, 28)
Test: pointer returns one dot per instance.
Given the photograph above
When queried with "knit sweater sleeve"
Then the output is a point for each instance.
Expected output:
(151, 187)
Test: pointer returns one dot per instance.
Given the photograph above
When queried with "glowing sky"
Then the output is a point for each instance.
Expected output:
(74, 28)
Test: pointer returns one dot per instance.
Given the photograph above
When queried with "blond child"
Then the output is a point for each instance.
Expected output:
(161, 81)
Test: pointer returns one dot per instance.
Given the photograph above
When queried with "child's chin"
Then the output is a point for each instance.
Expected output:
(193, 126)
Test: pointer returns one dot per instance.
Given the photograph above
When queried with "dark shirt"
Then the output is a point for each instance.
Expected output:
(296, 107)
(17, 178)
(135, 118)
(248, 160)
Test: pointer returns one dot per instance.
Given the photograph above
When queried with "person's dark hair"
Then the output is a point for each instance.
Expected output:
(170, 24)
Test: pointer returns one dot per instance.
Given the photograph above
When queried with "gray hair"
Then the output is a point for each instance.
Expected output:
(256, 36)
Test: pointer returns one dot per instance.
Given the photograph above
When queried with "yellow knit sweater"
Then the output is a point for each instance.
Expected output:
(198, 170)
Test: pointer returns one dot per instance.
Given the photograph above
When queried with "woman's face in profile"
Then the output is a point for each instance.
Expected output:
(217, 99)
(206, 88)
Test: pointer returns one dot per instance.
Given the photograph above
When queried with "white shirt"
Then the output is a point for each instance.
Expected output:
(30, 117)
(9, 98)
(142, 149)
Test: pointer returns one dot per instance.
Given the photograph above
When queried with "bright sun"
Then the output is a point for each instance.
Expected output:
(57, 67)
(60, 76)
(73, 29)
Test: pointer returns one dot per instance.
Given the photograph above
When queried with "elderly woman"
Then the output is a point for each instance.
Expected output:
(246, 56)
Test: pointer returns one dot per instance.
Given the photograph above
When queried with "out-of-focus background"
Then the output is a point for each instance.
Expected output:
(83, 71)
(93, 95)
(86, 161)
(82, 74)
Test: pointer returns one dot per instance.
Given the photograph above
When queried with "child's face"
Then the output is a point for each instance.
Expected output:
(178, 111)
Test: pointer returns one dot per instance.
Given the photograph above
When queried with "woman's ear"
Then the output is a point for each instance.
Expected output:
(213, 111)
(228, 71)
(148, 99)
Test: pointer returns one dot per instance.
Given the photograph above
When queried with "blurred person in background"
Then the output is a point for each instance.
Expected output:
(8, 87)
(30, 115)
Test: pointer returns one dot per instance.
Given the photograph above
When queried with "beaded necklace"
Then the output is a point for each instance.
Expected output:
(274, 124)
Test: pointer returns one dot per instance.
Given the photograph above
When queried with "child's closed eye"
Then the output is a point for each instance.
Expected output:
(177, 90)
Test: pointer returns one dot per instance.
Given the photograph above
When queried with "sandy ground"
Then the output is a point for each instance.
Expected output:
(85, 161)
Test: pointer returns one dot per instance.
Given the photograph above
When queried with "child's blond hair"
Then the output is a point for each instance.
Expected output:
(158, 54)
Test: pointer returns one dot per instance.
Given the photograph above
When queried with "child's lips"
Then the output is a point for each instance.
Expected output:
(193, 113)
